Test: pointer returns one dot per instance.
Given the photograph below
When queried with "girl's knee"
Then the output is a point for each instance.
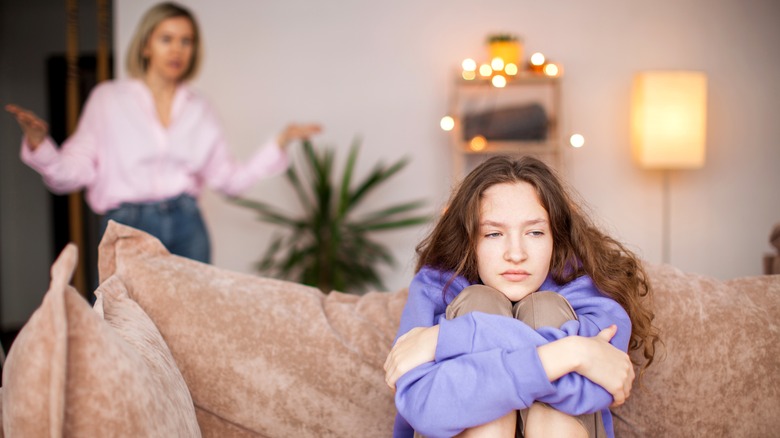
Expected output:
(544, 309)
(479, 298)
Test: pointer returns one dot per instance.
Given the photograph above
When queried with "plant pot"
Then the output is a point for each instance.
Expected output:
(509, 51)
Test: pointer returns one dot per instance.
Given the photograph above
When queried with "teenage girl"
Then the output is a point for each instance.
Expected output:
(519, 304)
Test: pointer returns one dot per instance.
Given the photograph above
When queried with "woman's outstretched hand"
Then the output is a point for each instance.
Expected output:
(414, 348)
(33, 127)
(295, 132)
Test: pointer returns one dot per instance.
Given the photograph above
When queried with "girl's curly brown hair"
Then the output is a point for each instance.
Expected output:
(579, 247)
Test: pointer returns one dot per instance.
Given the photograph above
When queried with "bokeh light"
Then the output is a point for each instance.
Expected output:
(469, 75)
(447, 123)
(498, 81)
(478, 143)
(497, 64)
(537, 59)
(551, 69)
(577, 140)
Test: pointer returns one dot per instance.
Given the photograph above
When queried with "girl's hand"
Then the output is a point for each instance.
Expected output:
(33, 127)
(297, 132)
(593, 358)
(414, 348)
(607, 366)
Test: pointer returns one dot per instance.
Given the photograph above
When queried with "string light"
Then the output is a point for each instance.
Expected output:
(498, 81)
(577, 140)
(551, 69)
(447, 123)
(497, 64)
(500, 72)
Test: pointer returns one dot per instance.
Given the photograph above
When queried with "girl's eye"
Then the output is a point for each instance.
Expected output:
(165, 39)
(492, 235)
(186, 42)
(536, 233)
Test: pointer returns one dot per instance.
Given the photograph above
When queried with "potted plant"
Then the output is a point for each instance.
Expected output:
(329, 244)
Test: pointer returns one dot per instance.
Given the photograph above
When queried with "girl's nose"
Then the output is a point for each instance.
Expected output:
(515, 252)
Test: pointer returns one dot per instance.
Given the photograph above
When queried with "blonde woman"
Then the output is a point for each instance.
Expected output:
(145, 147)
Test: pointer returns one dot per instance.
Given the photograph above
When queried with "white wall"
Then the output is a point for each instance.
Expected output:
(382, 70)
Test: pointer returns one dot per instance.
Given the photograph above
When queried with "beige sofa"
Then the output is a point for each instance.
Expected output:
(178, 348)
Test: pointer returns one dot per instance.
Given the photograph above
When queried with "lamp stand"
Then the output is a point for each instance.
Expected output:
(665, 217)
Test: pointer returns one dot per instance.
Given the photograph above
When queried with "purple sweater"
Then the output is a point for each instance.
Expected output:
(487, 365)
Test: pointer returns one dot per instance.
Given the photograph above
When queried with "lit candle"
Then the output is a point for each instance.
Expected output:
(537, 62)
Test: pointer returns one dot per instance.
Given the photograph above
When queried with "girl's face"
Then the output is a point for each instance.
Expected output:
(515, 241)
(169, 49)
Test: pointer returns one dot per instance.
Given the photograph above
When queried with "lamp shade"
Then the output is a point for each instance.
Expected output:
(669, 119)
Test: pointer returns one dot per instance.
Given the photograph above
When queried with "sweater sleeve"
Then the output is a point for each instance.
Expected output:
(443, 398)
(575, 394)
(486, 365)
(74, 165)
(427, 303)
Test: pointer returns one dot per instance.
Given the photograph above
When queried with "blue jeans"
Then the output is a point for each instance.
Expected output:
(177, 222)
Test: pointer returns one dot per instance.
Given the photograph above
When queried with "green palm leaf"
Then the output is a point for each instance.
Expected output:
(376, 177)
(325, 246)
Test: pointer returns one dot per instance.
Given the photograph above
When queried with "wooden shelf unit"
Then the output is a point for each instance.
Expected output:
(478, 95)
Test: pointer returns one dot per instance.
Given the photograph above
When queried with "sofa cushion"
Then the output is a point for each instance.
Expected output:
(263, 357)
(721, 372)
(70, 373)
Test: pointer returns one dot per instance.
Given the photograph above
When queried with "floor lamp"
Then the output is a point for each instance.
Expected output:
(668, 128)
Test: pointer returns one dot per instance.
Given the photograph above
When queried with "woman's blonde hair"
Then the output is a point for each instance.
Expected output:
(137, 62)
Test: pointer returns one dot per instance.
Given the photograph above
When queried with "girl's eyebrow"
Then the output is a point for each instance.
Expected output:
(490, 223)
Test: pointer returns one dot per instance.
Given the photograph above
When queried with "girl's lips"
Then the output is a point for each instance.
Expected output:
(515, 275)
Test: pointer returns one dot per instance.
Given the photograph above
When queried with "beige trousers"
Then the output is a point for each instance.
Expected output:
(539, 309)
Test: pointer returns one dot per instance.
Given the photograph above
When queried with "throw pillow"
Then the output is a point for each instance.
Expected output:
(69, 373)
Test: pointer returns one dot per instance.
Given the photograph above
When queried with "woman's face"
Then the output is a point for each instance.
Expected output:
(169, 49)
(515, 242)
